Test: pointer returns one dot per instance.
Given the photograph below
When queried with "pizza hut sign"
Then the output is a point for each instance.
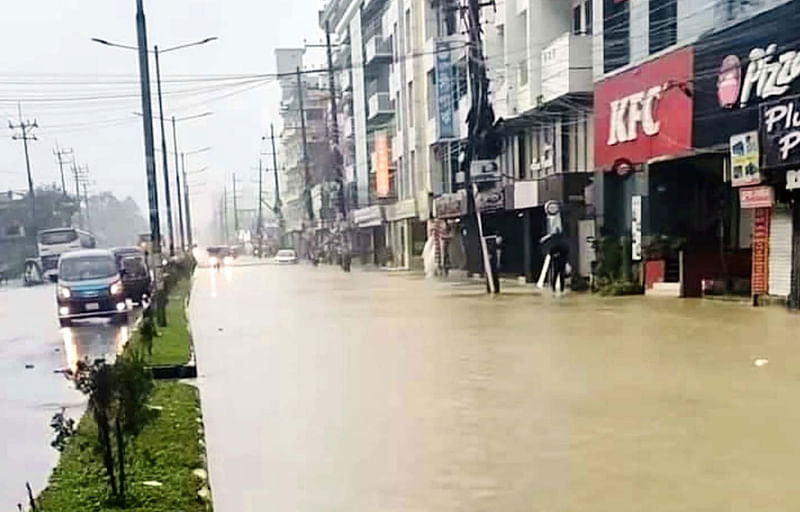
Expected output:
(645, 112)
(780, 132)
(768, 74)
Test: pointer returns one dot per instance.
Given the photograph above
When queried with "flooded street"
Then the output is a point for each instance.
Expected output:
(33, 353)
(370, 391)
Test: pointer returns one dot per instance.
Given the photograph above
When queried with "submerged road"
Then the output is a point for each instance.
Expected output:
(336, 392)
(34, 351)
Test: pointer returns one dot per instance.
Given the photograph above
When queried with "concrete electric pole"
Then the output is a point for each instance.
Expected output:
(25, 128)
(60, 154)
(149, 149)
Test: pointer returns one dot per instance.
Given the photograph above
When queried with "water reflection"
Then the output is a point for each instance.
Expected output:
(96, 339)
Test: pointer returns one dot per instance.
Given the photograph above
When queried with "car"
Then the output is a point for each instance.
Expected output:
(219, 255)
(286, 256)
(136, 276)
(90, 285)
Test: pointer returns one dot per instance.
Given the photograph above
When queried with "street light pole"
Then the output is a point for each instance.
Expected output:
(187, 204)
(167, 195)
(178, 184)
(149, 149)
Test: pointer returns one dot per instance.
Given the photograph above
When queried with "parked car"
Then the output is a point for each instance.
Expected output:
(136, 275)
(90, 285)
(286, 256)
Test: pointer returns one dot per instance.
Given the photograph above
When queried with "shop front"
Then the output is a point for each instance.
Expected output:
(657, 202)
(748, 80)
(369, 241)
(403, 232)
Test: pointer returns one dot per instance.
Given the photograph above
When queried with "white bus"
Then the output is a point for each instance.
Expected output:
(52, 243)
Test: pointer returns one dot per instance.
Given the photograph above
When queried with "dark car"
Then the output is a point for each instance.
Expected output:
(89, 285)
(136, 277)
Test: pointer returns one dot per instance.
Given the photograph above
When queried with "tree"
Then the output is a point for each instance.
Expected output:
(118, 398)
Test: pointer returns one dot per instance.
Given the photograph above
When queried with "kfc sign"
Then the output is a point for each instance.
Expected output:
(645, 112)
(634, 114)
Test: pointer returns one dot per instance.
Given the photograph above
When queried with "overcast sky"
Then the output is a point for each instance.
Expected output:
(83, 95)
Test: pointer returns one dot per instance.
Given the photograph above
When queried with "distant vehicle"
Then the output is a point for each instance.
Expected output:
(287, 256)
(51, 244)
(90, 285)
(137, 279)
(219, 255)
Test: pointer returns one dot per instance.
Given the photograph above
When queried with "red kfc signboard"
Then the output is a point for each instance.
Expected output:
(645, 112)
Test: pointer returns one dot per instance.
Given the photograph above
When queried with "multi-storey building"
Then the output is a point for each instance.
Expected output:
(396, 154)
(306, 171)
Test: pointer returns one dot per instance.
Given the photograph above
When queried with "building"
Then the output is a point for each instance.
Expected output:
(305, 157)
(662, 185)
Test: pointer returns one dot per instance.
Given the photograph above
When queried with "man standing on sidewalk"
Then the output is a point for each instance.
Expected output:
(559, 253)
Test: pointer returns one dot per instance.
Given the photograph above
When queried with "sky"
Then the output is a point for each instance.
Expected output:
(83, 95)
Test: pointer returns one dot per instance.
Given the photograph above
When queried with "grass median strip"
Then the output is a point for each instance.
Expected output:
(173, 345)
(163, 462)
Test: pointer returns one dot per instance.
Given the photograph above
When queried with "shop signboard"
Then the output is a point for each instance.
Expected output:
(792, 180)
(744, 159)
(756, 197)
(484, 171)
(382, 184)
(645, 112)
(490, 200)
(370, 216)
(448, 206)
(636, 228)
(444, 92)
(759, 284)
(740, 68)
(780, 132)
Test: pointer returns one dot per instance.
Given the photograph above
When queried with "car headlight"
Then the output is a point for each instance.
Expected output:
(212, 260)
(116, 288)
(64, 292)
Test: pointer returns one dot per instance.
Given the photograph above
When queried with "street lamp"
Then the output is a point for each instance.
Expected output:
(186, 203)
(156, 52)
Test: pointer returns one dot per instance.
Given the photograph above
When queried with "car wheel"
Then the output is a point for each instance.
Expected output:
(65, 322)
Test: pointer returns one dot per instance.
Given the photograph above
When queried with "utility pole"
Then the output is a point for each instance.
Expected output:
(77, 177)
(24, 134)
(167, 195)
(332, 87)
(235, 210)
(187, 204)
(275, 168)
(259, 230)
(60, 154)
(86, 201)
(178, 184)
(307, 172)
(149, 149)
(225, 212)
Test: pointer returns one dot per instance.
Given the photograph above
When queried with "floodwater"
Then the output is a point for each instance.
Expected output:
(34, 352)
(369, 391)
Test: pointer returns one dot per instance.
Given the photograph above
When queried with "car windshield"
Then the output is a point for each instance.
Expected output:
(86, 268)
(286, 253)
(217, 251)
(64, 236)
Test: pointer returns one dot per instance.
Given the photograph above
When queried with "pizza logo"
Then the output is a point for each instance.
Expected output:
(729, 82)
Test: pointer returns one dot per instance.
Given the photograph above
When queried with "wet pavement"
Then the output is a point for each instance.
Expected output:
(370, 391)
(34, 351)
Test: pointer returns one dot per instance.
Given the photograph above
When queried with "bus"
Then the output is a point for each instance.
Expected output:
(51, 244)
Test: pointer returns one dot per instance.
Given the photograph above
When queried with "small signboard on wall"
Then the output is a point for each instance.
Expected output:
(636, 228)
(757, 197)
(744, 159)
(760, 279)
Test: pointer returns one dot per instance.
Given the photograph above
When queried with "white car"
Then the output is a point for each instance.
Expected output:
(286, 256)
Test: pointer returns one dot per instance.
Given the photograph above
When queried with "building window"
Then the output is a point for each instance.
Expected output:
(566, 147)
(401, 175)
(398, 107)
(410, 102)
(521, 156)
(412, 167)
(616, 34)
(577, 19)
(431, 96)
(430, 21)
(663, 24)
(408, 30)
(589, 17)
